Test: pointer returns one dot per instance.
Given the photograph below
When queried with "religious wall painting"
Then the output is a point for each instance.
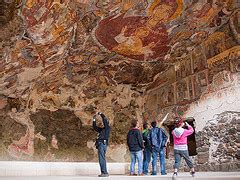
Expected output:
(145, 116)
(225, 61)
(207, 13)
(171, 98)
(139, 37)
(182, 91)
(215, 44)
(200, 82)
(223, 79)
(198, 59)
(235, 65)
(166, 95)
(235, 25)
(152, 101)
(132, 7)
(234, 57)
(154, 114)
(162, 79)
(184, 67)
(162, 97)
(191, 88)
(178, 71)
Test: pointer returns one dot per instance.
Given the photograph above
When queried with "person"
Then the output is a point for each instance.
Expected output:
(180, 145)
(102, 142)
(158, 139)
(166, 130)
(147, 148)
(135, 145)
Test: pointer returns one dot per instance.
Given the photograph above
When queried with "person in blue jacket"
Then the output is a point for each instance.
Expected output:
(158, 140)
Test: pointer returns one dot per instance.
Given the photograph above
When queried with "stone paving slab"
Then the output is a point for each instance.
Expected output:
(181, 176)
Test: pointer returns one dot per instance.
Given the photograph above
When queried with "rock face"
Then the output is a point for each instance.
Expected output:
(60, 60)
(221, 140)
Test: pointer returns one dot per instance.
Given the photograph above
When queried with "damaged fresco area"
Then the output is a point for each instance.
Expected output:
(59, 60)
(218, 143)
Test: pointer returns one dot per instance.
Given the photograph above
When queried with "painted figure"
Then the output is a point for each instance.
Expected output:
(138, 37)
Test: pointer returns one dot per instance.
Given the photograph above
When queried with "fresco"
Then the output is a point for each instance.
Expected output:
(61, 59)
(139, 37)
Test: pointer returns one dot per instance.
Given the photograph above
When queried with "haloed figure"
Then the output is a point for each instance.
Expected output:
(102, 142)
(180, 144)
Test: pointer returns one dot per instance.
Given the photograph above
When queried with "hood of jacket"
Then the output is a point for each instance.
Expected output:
(178, 132)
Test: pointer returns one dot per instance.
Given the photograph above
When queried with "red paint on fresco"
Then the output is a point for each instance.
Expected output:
(110, 27)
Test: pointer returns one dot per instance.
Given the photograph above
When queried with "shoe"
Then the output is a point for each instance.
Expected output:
(192, 173)
(141, 174)
(154, 174)
(163, 173)
(103, 175)
(175, 174)
(132, 174)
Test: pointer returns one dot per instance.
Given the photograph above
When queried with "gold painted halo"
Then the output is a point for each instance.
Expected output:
(176, 13)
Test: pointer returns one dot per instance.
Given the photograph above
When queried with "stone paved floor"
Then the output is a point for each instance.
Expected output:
(182, 176)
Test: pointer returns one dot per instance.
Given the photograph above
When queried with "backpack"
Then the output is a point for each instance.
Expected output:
(146, 139)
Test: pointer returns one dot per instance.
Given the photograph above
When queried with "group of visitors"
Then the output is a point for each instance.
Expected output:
(146, 145)
(151, 143)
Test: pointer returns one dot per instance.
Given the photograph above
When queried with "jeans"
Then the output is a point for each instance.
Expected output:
(161, 154)
(146, 160)
(136, 156)
(177, 156)
(102, 148)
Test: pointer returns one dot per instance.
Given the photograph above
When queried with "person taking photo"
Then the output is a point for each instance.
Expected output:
(102, 141)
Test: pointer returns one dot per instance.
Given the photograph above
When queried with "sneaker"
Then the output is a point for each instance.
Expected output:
(175, 174)
(103, 175)
(192, 173)
(132, 174)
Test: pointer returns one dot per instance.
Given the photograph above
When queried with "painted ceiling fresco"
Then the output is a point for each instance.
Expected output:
(67, 57)
(126, 38)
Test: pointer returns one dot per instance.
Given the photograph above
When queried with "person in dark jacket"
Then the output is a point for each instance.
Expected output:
(102, 142)
(147, 148)
(158, 139)
(135, 145)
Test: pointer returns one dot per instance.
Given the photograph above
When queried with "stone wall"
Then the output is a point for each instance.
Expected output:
(218, 143)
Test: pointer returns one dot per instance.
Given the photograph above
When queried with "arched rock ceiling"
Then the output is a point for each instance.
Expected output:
(50, 44)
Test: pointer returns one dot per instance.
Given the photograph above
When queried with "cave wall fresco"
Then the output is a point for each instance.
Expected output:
(61, 59)
(210, 94)
(216, 112)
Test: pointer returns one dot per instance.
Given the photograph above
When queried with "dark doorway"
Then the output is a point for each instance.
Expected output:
(191, 139)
